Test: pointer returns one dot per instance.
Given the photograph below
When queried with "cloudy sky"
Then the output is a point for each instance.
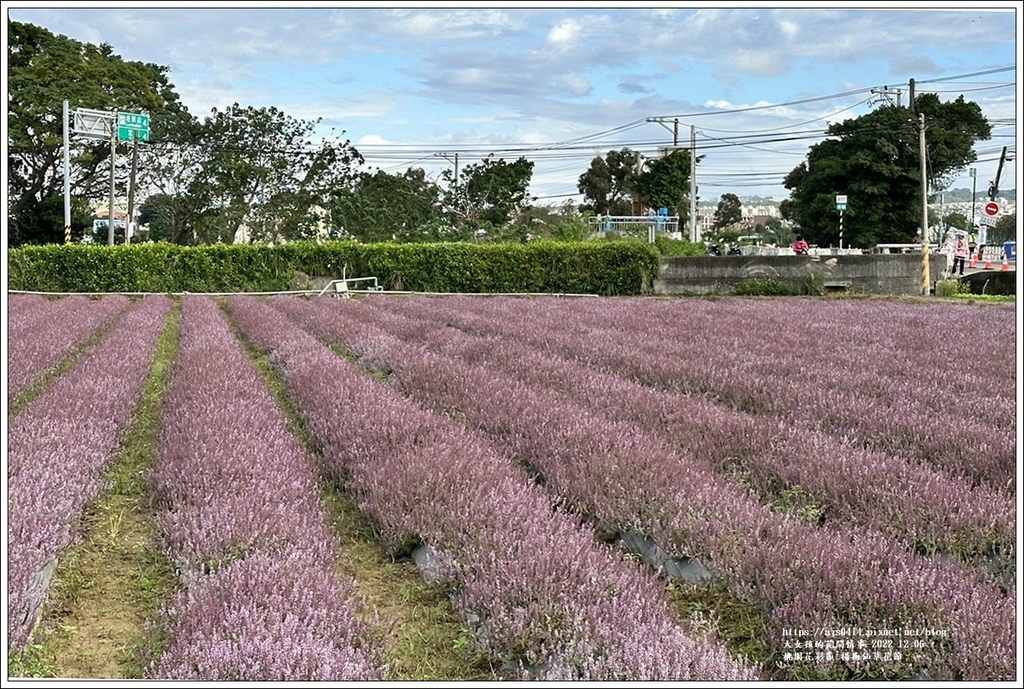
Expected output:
(420, 84)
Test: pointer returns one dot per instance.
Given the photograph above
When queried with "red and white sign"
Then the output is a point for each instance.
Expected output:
(991, 208)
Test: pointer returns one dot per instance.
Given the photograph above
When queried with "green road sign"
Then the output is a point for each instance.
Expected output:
(132, 126)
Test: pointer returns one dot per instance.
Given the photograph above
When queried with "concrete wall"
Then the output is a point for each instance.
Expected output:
(892, 274)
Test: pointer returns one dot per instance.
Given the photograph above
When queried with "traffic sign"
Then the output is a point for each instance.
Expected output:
(991, 208)
(132, 126)
(840, 202)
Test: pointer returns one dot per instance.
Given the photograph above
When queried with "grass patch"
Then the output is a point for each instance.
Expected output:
(419, 630)
(742, 627)
(98, 620)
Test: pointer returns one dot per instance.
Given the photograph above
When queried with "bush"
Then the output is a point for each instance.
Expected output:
(605, 268)
(762, 287)
(951, 288)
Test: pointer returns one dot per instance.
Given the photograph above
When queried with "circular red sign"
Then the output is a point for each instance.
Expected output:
(991, 208)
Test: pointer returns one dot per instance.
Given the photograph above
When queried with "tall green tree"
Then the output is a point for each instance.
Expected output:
(729, 212)
(43, 71)
(495, 191)
(381, 207)
(665, 183)
(182, 210)
(264, 173)
(1004, 230)
(874, 160)
(608, 185)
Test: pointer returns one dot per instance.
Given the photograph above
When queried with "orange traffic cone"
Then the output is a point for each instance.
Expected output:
(974, 260)
(1006, 264)
(988, 262)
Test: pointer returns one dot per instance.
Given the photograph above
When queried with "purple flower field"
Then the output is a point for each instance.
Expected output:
(41, 332)
(58, 448)
(845, 468)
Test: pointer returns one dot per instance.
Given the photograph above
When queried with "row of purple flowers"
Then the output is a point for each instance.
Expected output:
(240, 519)
(41, 332)
(807, 578)
(901, 379)
(59, 448)
(930, 509)
(537, 589)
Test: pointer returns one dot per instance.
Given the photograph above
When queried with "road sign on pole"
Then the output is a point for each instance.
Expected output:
(840, 202)
(991, 208)
(92, 124)
(131, 126)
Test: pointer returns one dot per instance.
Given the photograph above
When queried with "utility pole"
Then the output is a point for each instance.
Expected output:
(67, 174)
(694, 231)
(131, 189)
(113, 160)
(674, 129)
(925, 276)
(993, 188)
(974, 194)
(456, 161)
(885, 95)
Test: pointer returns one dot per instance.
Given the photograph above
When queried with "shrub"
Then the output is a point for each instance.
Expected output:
(762, 287)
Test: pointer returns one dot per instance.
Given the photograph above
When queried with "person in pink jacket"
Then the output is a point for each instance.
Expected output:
(959, 253)
(800, 246)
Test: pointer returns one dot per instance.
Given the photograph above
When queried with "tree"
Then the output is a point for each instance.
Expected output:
(1004, 230)
(264, 174)
(665, 183)
(609, 183)
(182, 211)
(729, 212)
(380, 207)
(495, 191)
(775, 233)
(875, 161)
(44, 70)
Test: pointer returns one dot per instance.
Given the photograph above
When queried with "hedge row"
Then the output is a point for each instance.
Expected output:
(606, 268)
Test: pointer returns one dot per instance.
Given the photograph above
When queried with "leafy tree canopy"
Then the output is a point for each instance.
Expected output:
(245, 168)
(44, 70)
(729, 212)
(609, 183)
(665, 183)
(495, 191)
(381, 207)
(875, 161)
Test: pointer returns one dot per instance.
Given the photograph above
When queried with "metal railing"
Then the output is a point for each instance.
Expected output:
(636, 225)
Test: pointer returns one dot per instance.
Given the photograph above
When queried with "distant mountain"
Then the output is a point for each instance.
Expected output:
(948, 196)
(964, 195)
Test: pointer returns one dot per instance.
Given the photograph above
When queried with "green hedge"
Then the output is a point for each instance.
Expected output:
(606, 268)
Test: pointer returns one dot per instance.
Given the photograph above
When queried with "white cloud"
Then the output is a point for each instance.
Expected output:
(759, 62)
(564, 35)
(789, 29)
(575, 85)
(372, 140)
(433, 24)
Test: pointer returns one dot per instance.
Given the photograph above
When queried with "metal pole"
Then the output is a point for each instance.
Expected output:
(840, 230)
(925, 276)
(113, 154)
(67, 176)
(694, 233)
(131, 188)
(974, 194)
